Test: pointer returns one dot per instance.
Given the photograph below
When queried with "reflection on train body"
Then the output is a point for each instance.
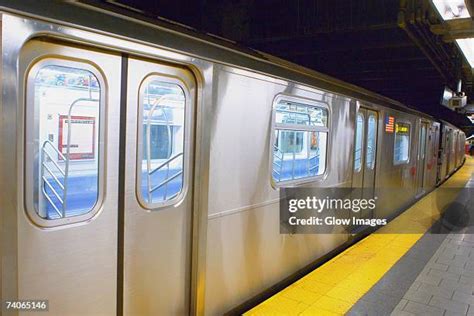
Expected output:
(142, 167)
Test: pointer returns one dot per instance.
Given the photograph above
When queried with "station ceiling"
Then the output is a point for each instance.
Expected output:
(398, 48)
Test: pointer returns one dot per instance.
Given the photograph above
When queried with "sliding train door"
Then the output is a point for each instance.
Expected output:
(158, 189)
(447, 149)
(67, 234)
(105, 179)
(370, 154)
(454, 149)
(365, 155)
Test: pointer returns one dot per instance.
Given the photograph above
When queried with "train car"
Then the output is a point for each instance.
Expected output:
(451, 155)
(141, 162)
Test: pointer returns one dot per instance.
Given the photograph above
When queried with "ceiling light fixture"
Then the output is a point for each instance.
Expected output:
(451, 9)
(467, 47)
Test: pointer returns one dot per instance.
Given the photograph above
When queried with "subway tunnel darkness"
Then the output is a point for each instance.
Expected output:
(385, 46)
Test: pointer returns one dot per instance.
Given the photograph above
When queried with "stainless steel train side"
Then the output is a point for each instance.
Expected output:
(246, 252)
(451, 155)
(219, 244)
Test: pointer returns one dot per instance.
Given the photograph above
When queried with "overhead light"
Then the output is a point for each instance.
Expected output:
(447, 95)
(451, 9)
(467, 47)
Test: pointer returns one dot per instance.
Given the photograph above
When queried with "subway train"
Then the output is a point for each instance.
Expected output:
(141, 161)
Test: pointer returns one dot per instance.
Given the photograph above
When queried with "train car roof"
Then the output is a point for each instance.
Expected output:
(113, 20)
(444, 122)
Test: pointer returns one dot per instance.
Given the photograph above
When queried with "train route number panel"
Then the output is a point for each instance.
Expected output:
(82, 142)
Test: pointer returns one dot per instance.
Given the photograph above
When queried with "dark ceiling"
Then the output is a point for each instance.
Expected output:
(386, 46)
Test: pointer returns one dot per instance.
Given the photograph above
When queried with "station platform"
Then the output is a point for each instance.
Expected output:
(430, 273)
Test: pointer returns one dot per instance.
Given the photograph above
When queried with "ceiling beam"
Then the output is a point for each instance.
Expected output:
(321, 49)
(470, 6)
(451, 30)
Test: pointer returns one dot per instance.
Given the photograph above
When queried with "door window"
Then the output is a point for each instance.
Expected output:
(422, 141)
(358, 142)
(371, 141)
(161, 153)
(66, 99)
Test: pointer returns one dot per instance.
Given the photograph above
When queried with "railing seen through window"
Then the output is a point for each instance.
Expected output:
(161, 156)
(300, 141)
(66, 130)
(371, 141)
(358, 142)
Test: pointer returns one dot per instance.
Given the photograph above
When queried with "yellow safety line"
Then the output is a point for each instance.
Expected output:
(336, 286)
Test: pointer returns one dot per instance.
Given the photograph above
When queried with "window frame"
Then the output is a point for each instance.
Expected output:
(423, 140)
(188, 102)
(402, 162)
(362, 135)
(31, 133)
(371, 166)
(298, 128)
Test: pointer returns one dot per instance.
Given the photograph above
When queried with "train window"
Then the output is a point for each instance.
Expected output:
(161, 142)
(422, 141)
(402, 143)
(371, 141)
(67, 103)
(358, 142)
(299, 141)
